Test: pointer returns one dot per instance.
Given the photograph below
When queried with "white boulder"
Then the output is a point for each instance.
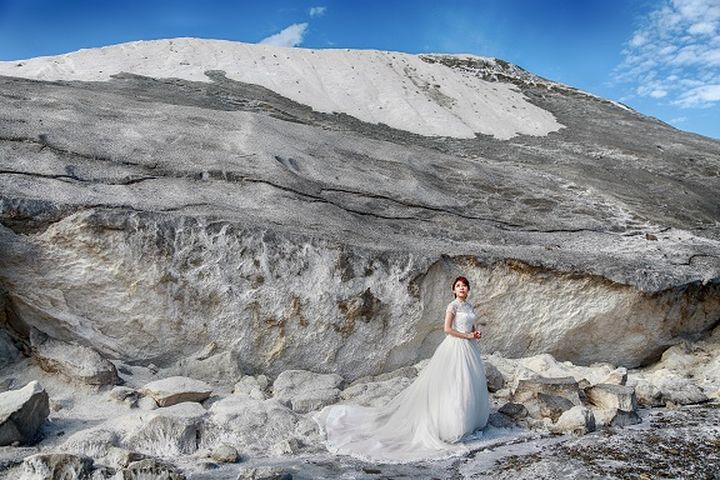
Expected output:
(305, 391)
(172, 390)
(167, 432)
(44, 466)
(577, 420)
(75, 362)
(253, 426)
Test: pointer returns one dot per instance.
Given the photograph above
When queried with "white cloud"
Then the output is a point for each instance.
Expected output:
(675, 54)
(702, 96)
(678, 120)
(707, 28)
(291, 36)
(317, 11)
(638, 40)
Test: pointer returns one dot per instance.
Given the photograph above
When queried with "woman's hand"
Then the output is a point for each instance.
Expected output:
(475, 334)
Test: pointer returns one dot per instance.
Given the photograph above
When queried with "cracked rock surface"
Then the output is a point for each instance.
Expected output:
(148, 217)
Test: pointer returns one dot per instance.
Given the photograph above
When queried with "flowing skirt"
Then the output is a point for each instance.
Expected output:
(446, 401)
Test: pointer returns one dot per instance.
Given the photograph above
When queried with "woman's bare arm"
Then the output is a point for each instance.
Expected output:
(449, 315)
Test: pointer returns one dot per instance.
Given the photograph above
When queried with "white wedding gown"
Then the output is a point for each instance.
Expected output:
(446, 401)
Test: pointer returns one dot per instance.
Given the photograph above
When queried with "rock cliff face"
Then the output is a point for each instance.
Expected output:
(148, 213)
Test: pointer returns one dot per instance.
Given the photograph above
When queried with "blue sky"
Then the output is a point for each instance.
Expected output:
(661, 57)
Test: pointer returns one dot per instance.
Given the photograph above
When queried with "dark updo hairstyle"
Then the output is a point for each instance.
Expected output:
(459, 279)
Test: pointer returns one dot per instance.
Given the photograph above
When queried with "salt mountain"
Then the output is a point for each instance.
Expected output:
(308, 208)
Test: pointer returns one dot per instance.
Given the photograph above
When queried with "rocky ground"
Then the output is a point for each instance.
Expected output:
(550, 419)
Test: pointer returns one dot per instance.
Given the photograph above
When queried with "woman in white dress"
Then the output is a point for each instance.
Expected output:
(447, 400)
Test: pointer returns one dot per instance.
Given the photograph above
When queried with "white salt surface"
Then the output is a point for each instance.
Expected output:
(396, 89)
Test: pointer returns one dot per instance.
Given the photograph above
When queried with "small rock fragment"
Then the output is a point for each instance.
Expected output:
(578, 420)
(225, 454)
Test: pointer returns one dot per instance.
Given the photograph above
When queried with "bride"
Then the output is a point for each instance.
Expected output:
(447, 400)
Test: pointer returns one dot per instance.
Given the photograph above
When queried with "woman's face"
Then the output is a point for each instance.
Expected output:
(460, 289)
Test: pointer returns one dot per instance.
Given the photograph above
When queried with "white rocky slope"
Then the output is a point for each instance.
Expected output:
(391, 88)
(148, 216)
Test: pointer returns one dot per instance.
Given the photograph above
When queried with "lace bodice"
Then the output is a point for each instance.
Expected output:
(464, 315)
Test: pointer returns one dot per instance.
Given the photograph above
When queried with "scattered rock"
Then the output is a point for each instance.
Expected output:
(617, 377)
(552, 406)
(495, 379)
(222, 368)
(172, 390)
(516, 411)
(500, 420)
(75, 362)
(566, 387)
(225, 454)
(663, 386)
(94, 442)
(60, 466)
(22, 412)
(167, 432)
(122, 394)
(252, 387)
(151, 468)
(545, 365)
(623, 418)
(119, 458)
(614, 404)
(612, 397)
(146, 403)
(287, 446)
(252, 426)
(305, 391)
(578, 420)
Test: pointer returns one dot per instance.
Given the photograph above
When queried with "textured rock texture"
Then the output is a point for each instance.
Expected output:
(173, 390)
(22, 412)
(75, 362)
(149, 217)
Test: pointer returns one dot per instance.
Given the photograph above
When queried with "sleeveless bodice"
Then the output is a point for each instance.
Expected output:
(464, 315)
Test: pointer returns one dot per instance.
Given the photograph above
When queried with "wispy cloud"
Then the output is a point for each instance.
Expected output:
(291, 36)
(317, 11)
(675, 54)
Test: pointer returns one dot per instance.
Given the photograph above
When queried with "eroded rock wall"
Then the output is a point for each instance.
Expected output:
(148, 288)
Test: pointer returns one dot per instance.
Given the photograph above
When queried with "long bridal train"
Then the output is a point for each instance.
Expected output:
(427, 420)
